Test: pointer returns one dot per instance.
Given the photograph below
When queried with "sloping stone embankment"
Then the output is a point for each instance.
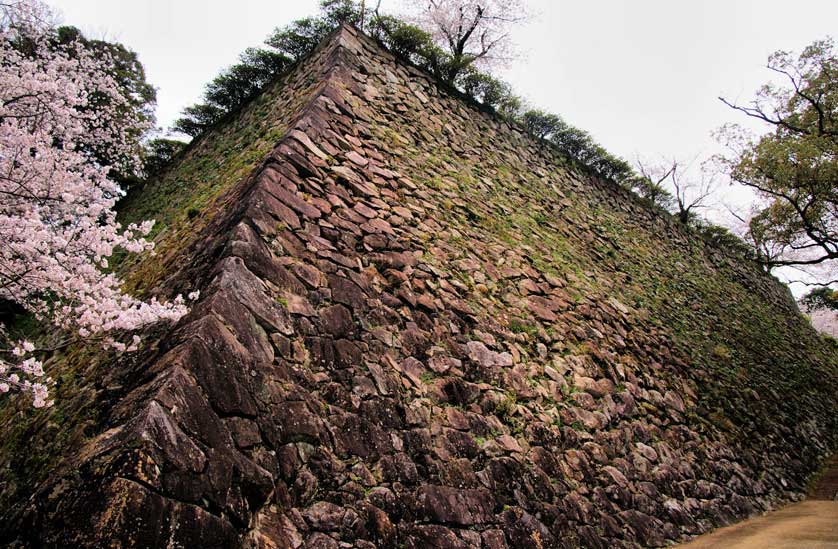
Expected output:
(419, 329)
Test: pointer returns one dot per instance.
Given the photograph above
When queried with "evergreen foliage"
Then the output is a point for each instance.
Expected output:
(793, 167)
(821, 298)
(158, 153)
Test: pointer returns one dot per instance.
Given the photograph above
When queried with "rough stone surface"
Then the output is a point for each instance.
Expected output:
(420, 328)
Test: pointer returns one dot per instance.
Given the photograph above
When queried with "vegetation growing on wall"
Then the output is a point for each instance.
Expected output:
(239, 84)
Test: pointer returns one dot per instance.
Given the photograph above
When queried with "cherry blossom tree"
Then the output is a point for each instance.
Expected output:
(474, 32)
(689, 190)
(58, 106)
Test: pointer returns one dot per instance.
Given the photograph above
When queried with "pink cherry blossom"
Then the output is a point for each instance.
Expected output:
(471, 30)
(58, 225)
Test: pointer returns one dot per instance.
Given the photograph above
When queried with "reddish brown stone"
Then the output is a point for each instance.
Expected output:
(307, 274)
(336, 320)
(304, 139)
(456, 506)
(293, 201)
(357, 159)
(347, 292)
(377, 225)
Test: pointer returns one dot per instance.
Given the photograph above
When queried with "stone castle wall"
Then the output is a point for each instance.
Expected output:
(420, 329)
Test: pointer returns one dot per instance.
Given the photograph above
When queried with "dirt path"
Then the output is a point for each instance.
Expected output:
(810, 524)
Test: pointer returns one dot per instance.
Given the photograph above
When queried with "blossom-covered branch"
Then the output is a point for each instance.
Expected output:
(472, 31)
(58, 106)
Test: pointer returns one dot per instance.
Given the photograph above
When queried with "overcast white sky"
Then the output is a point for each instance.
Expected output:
(642, 76)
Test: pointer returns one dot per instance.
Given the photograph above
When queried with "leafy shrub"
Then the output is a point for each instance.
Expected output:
(541, 124)
(821, 298)
(158, 153)
(723, 238)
